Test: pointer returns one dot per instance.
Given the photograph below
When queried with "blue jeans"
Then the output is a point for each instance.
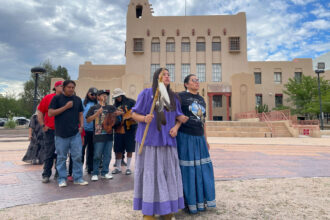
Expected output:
(63, 146)
(102, 150)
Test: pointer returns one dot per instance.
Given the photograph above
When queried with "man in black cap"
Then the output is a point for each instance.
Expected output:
(103, 135)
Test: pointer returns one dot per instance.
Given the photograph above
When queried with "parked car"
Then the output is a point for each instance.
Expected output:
(21, 120)
(3, 121)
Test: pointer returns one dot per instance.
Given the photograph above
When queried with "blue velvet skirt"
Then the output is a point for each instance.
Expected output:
(197, 172)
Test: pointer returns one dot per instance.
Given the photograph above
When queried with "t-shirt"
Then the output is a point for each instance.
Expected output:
(193, 106)
(154, 137)
(66, 123)
(43, 108)
(100, 135)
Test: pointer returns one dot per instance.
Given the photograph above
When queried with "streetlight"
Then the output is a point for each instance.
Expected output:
(36, 71)
(320, 69)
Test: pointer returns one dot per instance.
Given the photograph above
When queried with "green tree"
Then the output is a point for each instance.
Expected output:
(43, 84)
(262, 108)
(303, 95)
(9, 105)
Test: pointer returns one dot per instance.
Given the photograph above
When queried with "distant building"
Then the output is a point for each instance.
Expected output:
(212, 47)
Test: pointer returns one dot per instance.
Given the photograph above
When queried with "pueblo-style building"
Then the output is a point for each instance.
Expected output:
(212, 47)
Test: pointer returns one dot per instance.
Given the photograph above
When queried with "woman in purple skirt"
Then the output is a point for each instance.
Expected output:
(157, 180)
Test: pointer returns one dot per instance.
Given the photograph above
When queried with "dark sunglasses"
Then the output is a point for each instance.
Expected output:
(93, 94)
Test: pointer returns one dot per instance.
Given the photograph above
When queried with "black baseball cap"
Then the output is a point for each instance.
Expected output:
(92, 90)
(102, 91)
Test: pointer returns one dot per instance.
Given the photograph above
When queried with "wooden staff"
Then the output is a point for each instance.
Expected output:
(151, 113)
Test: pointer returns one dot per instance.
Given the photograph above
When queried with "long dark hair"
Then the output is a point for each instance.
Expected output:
(186, 80)
(87, 99)
(123, 101)
(170, 92)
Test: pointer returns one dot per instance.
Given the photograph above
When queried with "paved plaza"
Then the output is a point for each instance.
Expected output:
(233, 159)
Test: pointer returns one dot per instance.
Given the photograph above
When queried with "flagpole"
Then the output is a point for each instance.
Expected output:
(185, 8)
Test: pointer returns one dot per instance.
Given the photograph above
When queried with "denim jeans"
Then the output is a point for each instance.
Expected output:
(102, 150)
(73, 145)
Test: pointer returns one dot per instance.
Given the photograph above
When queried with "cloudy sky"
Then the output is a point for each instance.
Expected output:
(68, 33)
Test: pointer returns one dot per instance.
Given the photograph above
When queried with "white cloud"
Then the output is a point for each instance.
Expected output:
(320, 24)
(302, 2)
(68, 33)
(321, 12)
(11, 87)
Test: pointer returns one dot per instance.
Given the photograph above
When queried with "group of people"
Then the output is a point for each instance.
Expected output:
(174, 170)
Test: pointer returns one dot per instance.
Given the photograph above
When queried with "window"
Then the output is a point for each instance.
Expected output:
(185, 47)
(201, 72)
(200, 46)
(170, 47)
(185, 71)
(155, 47)
(258, 99)
(171, 70)
(216, 46)
(153, 69)
(217, 118)
(298, 76)
(257, 78)
(217, 101)
(278, 100)
(139, 9)
(278, 77)
(138, 44)
(234, 44)
(216, 72)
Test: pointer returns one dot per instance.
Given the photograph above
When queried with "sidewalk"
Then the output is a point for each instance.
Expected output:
(237, 160)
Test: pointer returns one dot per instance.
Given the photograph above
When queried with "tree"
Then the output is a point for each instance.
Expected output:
(262, 108)
(10, 105)
(303, 94)
(43, 84)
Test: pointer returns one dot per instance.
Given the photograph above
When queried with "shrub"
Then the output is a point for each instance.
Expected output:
(10, 124)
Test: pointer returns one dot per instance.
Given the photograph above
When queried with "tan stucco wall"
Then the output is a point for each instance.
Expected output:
(140, 63)
(268, 88)
(243, 90)
(99, 76)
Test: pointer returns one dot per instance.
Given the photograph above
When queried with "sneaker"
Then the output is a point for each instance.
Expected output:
(107, 176)
(116, 171)
(81, 182)
(128, 172)
(62, 184)
(45, 179)
(123, 163)
(70, 178)
(94, 178)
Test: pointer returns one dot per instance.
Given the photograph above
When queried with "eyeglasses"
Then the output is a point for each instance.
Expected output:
(195, 80)
(92, 94)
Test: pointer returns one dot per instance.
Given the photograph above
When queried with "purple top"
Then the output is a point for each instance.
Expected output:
(155, 137)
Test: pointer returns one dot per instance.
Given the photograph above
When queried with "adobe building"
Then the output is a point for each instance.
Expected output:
(212, 47)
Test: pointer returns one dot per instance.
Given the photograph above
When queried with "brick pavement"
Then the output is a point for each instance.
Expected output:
(20, 183)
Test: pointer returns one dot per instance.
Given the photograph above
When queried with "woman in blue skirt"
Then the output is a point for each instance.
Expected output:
(193, 150)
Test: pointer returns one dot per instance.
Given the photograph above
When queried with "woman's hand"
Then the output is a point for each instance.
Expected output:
(174, 132)
(148, 118)
(182, 118)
